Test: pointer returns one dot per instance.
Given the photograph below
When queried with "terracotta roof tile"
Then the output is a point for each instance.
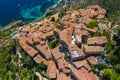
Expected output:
(93, 7)
(92, 60)
(80, 63)
(83, 74)
(30, 40)
(66, 35)
(66, 64)
(63, 76)
(77, 73)
(87, 67)
(73, 47)
(103, 26)
(32, 52)
(83, 26)
(92, 49)
(60, 64)
(25, 29)
(81, 32)
(47, 27)
(65, 24)
(38, 58)
(97, 40)
(102, 11)
(66, 18)
(22, 38)
(36, 40)
(44, 51)
(65, 70)
(56, 53)
(101, 16)
(51, 70)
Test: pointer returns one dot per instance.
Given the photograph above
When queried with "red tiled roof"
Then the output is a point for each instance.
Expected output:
(77, 73)
(47, 27)
(97, 40)
(66, 18)
(56, 53)
(81, 32)
(101, 16)
(22, 38)
(102, 11)
(92, 49)
(87, 67)
(51, 70)
(38, 58)
(44, 51)
(32, 52)
(75, 47)
(103, 26)
(78, 38)
(88, 29)
(62, 63)
(64, 23)
(36, 39)
(66, 70)
(63, 76)
(30, 40)
(93, 7)
(80, 63)
(25, 29)
(66, 35)
(83, 74)
(92, 60)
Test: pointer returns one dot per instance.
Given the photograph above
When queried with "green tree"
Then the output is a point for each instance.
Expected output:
(42, 66)
(109, 74)
(109, 47)
(117, 67)
(118, 30)
(111, 59)
(118, 78)
(107, 34)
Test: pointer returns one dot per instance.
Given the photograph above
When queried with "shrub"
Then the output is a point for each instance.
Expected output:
(53, 42)
(104, 66)
(92, 25)
(58, 26)
(109, 74)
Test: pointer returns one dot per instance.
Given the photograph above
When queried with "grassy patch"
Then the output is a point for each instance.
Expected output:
(53, 42)
(92, 25)
(58, 26)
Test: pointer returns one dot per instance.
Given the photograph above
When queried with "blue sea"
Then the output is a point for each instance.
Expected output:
(25, 10)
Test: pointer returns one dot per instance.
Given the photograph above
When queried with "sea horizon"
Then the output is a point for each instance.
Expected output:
(23, 10)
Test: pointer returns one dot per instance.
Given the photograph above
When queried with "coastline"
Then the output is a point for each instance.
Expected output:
(13, 24)
(20, 22)
(52, 7)
(47, 10)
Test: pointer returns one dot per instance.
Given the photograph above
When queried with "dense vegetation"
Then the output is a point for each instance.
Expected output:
(112, 56)
(12, 67)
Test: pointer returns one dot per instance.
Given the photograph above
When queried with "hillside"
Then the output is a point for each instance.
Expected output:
(53, 44)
